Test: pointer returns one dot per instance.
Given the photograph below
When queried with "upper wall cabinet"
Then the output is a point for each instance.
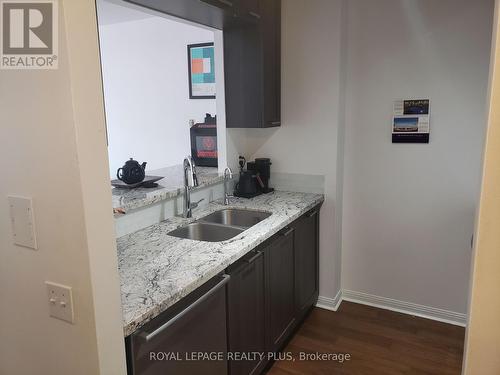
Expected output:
(252, 65)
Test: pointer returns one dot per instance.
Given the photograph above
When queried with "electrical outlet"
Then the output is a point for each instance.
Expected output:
(23, 222)
(60, 298)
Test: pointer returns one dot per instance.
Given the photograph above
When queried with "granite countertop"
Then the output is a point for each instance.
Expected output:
(170, 186)
(157, 270)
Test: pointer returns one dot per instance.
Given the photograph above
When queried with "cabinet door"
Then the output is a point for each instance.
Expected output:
(246, 314)
(252, 65)
(271, 54)
(306, 262)
(280, 289)
(243, 75)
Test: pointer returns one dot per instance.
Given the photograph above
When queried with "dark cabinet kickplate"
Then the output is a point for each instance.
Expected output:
(149, 181)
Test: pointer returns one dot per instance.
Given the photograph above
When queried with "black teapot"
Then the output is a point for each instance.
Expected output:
(132, 172)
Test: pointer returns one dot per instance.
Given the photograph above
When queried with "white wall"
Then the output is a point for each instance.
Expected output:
(306, 142)
(409, 209)
(145, 73)
(53, 150)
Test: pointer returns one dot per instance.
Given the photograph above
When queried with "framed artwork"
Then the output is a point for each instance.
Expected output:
(201, 71)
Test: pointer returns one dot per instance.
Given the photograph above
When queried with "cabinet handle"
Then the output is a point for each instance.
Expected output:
(253, 14)
(255, 257)
(313, 213)
(149, 336)
(211, 2)
(226, 2)
(287, 232)
(275, 122)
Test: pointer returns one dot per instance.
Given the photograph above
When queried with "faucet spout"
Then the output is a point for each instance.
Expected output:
(190, 181)
(228, 175)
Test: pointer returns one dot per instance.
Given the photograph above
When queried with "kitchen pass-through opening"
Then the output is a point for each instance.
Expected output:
(163, 91)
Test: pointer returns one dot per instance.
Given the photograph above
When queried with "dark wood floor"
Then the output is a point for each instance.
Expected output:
(378, 341)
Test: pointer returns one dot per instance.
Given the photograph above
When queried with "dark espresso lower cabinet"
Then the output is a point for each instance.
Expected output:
(271, 291)
(280, 288)
(246, 314)
(306, 262)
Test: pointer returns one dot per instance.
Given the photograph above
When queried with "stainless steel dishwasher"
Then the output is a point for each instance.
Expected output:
(189, 338)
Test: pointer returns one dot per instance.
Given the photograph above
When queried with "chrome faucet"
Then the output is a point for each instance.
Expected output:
(189, 174)
(228, 174)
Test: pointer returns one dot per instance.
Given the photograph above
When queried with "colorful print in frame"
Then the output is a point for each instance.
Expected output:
(201, 71)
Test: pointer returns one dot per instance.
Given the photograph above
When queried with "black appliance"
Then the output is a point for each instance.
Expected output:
(262, 168)
(194, 325)
(246, 187)
(204, 142)
(254, 180)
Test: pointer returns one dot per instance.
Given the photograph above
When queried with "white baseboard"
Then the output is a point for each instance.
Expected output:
(328, 303)
(409, 308)
(422, 311)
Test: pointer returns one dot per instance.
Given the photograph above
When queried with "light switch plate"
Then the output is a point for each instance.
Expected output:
(60, 298)
(23, 222)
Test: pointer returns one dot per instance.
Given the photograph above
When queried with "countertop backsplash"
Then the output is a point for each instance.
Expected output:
(171, 186)
(143, 217)
(146, 207)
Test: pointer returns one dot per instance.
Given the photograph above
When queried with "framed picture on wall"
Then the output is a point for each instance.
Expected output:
(201, 71)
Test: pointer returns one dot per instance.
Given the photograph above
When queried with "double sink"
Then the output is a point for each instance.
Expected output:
(221, 225)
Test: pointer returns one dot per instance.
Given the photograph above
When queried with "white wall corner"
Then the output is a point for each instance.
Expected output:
(328, 303)
(89, 121)
(342, 98)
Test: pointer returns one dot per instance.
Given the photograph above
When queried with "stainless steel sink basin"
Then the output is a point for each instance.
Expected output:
(206, 232)
(236, 217)
(221, 225)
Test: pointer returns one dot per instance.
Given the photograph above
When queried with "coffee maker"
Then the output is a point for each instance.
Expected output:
(255, 179)
(262, 168)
